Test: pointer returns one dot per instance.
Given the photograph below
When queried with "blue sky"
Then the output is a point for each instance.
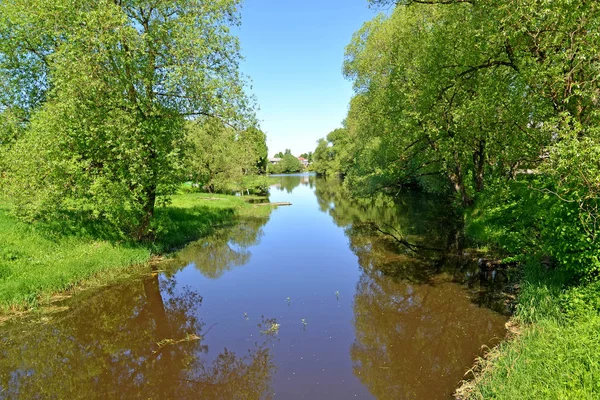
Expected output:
(294, 51)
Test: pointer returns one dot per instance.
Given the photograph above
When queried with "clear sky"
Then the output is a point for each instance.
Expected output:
(294, 51)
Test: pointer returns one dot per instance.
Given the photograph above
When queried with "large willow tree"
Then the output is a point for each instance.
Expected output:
(439, 96)
(105, 88)
(464, 96)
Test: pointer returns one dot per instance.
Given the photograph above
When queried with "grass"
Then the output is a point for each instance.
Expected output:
(37, 262)
(555, 355)
(555, 352)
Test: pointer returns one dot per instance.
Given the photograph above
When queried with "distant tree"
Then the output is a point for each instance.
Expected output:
(279, 155)
(290, 164)
(323, 158)
(307, 156)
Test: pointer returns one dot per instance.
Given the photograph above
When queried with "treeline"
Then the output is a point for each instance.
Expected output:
(495, 102)
(106, 107)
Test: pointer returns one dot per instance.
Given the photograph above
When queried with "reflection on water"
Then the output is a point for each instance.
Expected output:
(415, 327)
(332, 298)
(137, 340)
(414, 341)
(222, 251)
(289, 182)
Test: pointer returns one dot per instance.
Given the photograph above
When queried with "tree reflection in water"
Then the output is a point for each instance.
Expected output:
(222, 251)
(287, 183)
(413, 341)
(416, 328)
(135, 340)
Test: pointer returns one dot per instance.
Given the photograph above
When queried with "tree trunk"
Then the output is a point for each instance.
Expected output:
(156, 307)
(479, 166)
(143, 229)
(458, 183)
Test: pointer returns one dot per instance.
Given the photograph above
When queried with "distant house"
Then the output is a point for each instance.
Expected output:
(274, 160)
(303, 160)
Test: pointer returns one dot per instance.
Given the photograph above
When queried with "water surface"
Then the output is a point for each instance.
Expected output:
(331, 298)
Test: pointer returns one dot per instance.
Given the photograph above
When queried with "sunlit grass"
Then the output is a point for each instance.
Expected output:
(548, 360)
(556, 353)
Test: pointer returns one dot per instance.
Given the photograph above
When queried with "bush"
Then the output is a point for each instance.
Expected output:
(526, 219)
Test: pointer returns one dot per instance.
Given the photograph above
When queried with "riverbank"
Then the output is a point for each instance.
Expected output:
(37, 262)
(555, 352)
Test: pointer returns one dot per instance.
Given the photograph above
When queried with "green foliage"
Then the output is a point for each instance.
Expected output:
(289, 164)
(108, 87)
(536, 223)
(467, 97)
(429, 110)
(35, 261)
(308, 156)
(333, 156)
(254, 143)
(11, 129)
(579, 301)
(555, 354)
(549, 360)
(222, 159)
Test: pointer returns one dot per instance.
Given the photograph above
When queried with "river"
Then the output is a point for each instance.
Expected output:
(330, 298)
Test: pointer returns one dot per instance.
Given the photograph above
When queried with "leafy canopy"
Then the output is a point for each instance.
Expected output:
(104, 89)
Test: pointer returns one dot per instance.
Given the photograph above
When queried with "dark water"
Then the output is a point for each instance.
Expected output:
(318, 301)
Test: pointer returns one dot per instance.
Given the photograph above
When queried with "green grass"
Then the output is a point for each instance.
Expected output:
(37, 262)
(555, 353)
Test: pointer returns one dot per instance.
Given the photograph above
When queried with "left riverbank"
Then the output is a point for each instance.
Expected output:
(38, 262)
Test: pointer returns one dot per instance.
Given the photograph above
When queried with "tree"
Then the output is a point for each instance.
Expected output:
(254, 143)
(458, 96)
(434, 112)
(307, 156)
(220, 158)
(290, 164)
(108, 86)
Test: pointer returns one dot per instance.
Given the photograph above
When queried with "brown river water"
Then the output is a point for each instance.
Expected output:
(318, 301)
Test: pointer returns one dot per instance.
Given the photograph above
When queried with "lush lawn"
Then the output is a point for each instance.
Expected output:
(37, 261)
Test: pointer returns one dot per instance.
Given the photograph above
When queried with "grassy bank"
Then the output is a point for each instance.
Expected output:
(555, 352)
(37, 261)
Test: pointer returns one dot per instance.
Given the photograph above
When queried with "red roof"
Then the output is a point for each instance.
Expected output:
(301, 158)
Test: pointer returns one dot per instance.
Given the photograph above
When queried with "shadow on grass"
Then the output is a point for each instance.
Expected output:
(173, 227)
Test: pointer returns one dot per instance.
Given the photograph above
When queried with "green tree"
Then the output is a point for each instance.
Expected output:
(290, 164)
(333, 155)
(432, 111)
(462, 95)
(254, 144)
(108, 86)
(223, 159)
